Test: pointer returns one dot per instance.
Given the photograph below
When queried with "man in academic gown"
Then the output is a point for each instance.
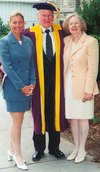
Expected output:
(48, 97)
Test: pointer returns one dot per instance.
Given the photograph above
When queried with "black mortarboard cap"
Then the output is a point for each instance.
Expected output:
(46, 6)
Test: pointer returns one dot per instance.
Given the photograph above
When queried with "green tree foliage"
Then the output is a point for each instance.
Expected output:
(98, 38)
(90, 12)
(4, 29)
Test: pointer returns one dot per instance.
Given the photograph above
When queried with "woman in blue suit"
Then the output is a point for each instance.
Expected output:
(16, 55)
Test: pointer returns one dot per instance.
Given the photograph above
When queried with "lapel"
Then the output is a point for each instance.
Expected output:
(23, 49)
(67, 49)
(80, 43)
(68, 45)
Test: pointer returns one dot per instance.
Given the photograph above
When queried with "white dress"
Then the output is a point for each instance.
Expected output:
(75, 109)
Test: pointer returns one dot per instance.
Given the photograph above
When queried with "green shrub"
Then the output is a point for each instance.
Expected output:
(4, 29)
(96, 119)
(90, 12)
(98, 38)
(1, 36)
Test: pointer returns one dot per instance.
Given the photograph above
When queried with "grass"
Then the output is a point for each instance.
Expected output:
(96, 119)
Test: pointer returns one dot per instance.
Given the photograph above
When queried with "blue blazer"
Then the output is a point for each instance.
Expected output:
(18, 63)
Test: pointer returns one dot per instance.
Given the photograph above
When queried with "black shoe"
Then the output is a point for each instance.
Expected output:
(37, 155)
(57, 153)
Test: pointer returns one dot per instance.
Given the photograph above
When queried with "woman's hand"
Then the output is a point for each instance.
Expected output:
(87, 97)
(31, 87)
(1, 68)
(27, 91)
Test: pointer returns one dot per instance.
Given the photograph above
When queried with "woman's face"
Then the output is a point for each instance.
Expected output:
(74, 25)
(16, 24)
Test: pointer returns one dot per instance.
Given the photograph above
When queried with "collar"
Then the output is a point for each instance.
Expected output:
(43, 29)
(13, 39)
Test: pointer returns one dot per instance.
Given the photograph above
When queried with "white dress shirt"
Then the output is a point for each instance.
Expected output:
(44, 39)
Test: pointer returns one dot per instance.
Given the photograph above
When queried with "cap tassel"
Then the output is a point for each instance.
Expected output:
(57, 15)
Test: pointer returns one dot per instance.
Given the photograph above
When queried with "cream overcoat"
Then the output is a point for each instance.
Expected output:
(84, 65)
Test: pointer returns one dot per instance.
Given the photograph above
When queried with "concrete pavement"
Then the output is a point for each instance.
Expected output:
(48, 163)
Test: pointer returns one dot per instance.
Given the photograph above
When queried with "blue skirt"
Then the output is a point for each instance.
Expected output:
(17, 106)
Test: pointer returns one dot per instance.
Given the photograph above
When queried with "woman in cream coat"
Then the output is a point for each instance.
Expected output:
(80, 73)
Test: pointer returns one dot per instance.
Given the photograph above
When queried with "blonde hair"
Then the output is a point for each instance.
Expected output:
(15, 13)
(66, 21)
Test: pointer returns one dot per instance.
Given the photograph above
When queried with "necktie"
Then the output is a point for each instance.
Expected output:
(49, 49)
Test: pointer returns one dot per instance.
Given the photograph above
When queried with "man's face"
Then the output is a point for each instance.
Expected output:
(45, 18)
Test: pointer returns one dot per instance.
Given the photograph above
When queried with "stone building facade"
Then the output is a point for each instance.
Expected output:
(66, 7)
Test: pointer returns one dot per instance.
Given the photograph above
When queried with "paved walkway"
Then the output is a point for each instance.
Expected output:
(48, 163)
